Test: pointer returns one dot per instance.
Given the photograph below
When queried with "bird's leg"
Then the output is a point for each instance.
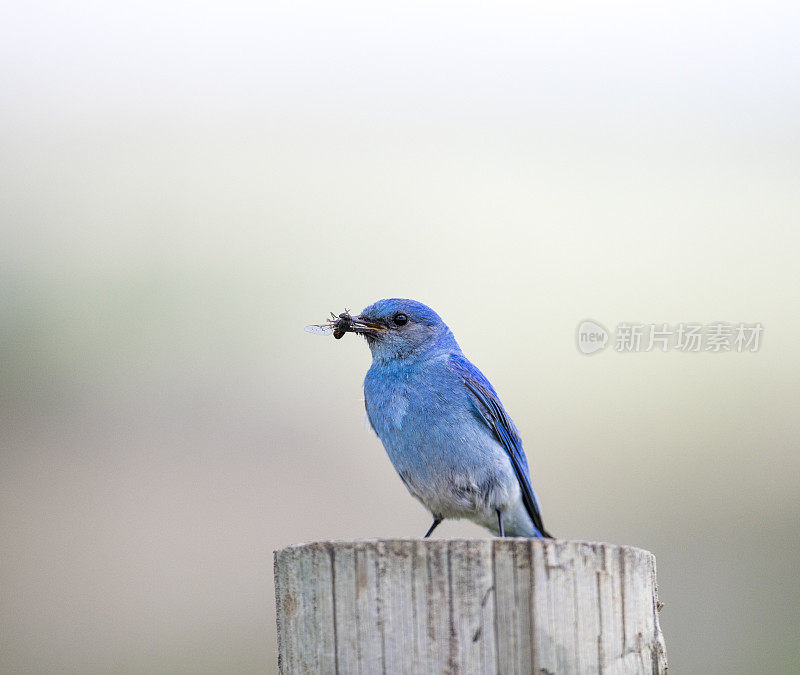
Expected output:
(500, 522)
(436, 521)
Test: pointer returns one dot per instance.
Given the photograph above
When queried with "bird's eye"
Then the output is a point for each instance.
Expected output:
(400, 319)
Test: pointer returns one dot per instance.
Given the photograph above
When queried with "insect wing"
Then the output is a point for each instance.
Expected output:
(325, 329)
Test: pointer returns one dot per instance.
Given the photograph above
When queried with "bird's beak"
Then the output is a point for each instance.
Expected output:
(363, 325)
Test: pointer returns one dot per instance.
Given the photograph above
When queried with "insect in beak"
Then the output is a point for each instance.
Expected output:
(346, 323)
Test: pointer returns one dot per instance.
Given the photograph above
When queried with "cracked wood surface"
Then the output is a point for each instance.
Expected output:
(467, 606)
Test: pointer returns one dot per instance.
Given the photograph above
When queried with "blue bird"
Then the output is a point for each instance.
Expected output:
(442, 424)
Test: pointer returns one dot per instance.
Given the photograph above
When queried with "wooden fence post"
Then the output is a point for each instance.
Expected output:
(467, 606)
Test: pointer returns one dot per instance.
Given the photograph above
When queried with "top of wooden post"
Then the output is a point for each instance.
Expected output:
(467, 605)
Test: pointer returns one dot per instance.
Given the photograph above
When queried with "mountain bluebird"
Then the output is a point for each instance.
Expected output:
(442, 423)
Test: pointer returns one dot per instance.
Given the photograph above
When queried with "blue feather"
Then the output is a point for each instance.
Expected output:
(491, 410)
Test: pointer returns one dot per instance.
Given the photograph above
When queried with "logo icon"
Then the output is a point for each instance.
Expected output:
(592, 337)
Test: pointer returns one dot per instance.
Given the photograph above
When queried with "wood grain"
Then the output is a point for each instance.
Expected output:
(467, 606)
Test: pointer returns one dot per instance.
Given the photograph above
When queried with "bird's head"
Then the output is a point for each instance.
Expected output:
(396, 328)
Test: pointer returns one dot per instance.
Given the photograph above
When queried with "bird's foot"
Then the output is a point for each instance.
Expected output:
(436, 521)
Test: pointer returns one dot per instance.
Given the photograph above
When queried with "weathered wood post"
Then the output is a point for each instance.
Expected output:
(467, 606)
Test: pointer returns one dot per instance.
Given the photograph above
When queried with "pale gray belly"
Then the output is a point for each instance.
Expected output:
(456, 477)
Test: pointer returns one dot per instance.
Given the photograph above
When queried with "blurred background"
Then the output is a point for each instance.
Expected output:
(186, 185)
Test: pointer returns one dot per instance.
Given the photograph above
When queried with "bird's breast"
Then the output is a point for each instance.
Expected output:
(415, 409)
(388, 401)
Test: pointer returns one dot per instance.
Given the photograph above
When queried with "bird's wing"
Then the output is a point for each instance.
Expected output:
(491, 410)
